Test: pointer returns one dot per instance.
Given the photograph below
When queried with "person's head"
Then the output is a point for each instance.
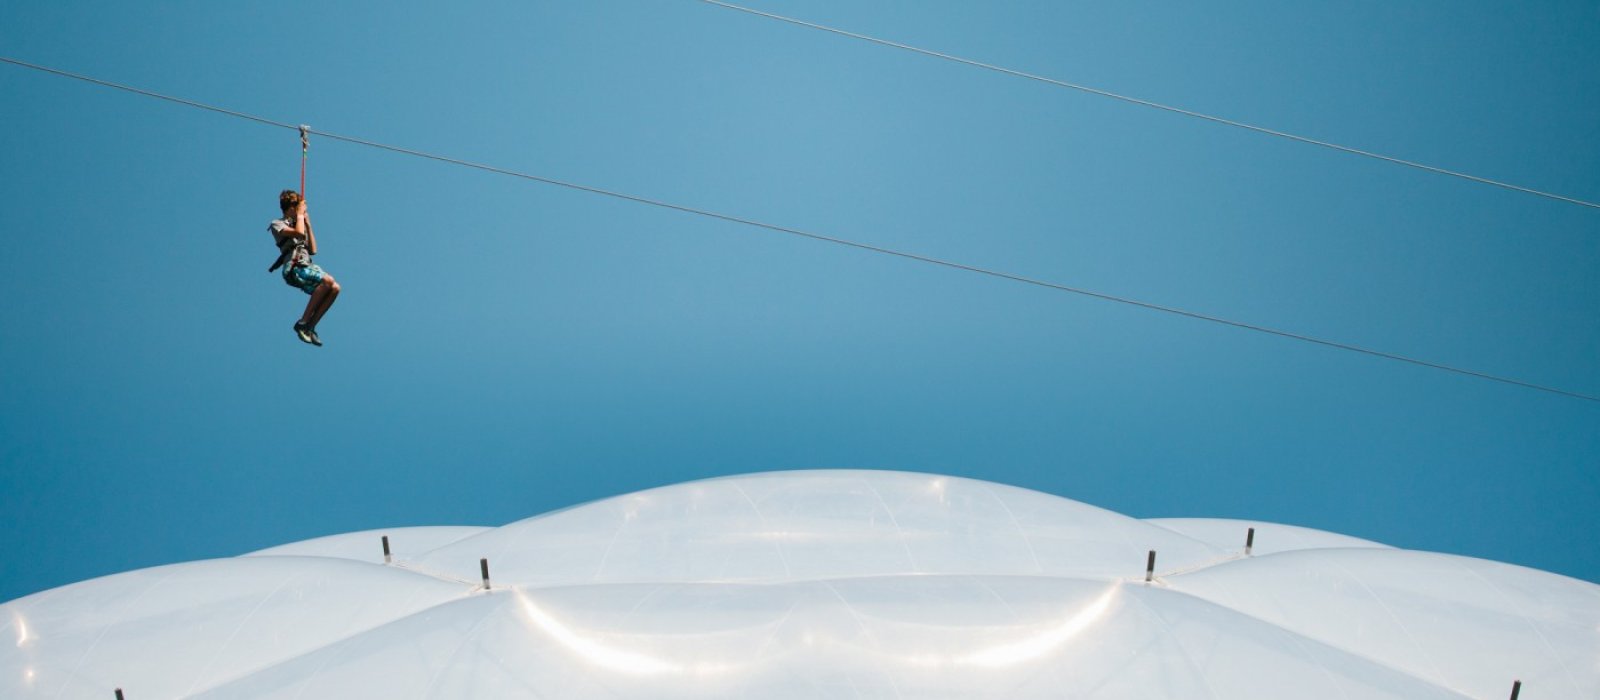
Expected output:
(288, 200)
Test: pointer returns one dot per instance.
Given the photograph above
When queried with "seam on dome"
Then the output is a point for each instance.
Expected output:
(762, 517)
(484, 529)
(1392, 616)
(243, 674)
(306, 682)
(1370, 544)
(1517, 610)
(173, 569)
(73, 673)
(640, 603)
(1240, 557)
(1026, 540)
(471, 633)
(978, 578)
(223, 683)
(1182, 651)
(1181, 534)
(1300, 641)
(862, 624)
(605, 555)
(217, 651)
(825, 579)
(1319, 640)
(267, 551)
(1202, 566)
(776, 628)
(997, 597)
(413, 567)
(521, 533)
(416, 569)
(398, 564)
(518, 535)
(898, 531)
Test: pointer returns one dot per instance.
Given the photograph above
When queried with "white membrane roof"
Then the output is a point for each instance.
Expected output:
(821, 584)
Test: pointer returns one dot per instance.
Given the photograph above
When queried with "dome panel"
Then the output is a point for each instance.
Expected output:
(820, 524)
(170, 630)
(909, 636)
(1466, 624)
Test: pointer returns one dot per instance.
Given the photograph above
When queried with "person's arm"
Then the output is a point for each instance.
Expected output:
(301, 222)
(298, 224)
(304, 224)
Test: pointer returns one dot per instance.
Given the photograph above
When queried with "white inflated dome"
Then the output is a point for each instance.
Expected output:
(822, 584)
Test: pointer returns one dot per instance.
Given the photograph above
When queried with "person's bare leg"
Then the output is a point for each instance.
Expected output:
(321, 299)
(318, 302)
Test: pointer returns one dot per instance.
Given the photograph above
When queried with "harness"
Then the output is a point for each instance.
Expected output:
(292, 252)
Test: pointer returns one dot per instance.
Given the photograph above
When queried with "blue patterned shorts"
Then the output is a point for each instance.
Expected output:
(304, 278)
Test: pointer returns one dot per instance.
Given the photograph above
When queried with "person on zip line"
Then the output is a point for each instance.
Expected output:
(296, 244)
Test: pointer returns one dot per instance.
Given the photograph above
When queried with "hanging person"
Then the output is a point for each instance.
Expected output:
(296, 244)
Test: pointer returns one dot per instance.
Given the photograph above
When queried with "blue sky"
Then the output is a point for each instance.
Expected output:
(504, 348)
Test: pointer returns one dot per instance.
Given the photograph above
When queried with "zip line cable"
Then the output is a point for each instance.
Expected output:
(826, 239)
(1148, 103)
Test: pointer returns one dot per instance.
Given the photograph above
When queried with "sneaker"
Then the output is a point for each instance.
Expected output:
(314, 339)
(304, 331)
